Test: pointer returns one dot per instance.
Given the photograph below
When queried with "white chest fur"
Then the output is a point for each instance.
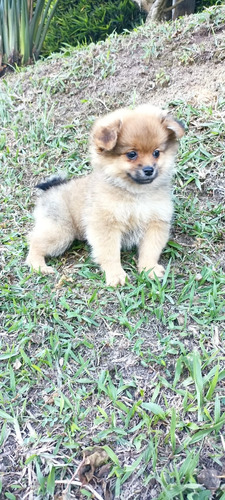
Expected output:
(134, 216)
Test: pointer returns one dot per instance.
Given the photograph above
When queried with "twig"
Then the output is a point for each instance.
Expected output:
(31, 493)
(86, 486)
(103, 103)
(73, 476)
(216, 338)
(223, 441)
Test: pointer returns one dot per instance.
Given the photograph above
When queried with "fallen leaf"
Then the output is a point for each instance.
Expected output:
(103, 471)
(102, 478)
(49, 400)
(17, 364)
(64, 279)
(180, 319)
(92, 459)
(216, 337)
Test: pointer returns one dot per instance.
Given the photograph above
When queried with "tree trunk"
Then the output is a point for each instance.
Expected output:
(156, 10)
(144, 4)
(185, 7)
(159, 10)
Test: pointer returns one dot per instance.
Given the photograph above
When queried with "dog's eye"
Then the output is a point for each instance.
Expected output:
(156, 153)
(132, 155)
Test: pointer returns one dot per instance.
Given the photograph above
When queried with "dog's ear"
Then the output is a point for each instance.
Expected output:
(105, 136)
(175, 126)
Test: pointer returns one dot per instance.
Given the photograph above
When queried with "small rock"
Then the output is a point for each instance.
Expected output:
(209, 478)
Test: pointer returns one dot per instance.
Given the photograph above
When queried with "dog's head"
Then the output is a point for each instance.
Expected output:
(135, 147)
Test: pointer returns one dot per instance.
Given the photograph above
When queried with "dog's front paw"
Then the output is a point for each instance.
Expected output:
(116, 278)
(46, 270)
(158, 271)
(40, 267)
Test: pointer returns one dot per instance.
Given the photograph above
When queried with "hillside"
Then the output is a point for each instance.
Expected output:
(138, 369)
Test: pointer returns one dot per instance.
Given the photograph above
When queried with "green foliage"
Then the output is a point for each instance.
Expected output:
(81, 21)
(23, 30)
(78, 21)
(201, 4)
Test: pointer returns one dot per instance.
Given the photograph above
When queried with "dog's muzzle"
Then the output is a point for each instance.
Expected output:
(144, 176)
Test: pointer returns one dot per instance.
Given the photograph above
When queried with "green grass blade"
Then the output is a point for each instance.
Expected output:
(197, 376)
(213, 384)
(51, 481)
(173, 430)
(153, 408)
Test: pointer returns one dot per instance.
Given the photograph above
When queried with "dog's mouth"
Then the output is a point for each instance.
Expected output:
(144, 176)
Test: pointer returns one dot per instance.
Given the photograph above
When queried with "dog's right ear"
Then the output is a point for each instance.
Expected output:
(105, 136)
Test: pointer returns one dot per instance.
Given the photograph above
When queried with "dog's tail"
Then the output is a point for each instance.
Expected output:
(52, 181)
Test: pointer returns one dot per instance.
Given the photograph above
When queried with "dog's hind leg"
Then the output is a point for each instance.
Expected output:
(47, 239)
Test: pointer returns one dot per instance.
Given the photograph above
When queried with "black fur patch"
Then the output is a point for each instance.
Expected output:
(52, 182)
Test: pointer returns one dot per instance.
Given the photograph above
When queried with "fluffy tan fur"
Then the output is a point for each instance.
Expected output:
(125, 201)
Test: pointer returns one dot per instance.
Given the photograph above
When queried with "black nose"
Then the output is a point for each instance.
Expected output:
(148, 171)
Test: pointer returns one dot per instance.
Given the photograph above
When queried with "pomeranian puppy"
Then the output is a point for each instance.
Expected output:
(124, 202)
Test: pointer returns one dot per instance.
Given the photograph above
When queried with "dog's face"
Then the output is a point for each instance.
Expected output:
(136, 147)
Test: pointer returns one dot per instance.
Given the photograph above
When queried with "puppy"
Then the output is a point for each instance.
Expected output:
(124, 202)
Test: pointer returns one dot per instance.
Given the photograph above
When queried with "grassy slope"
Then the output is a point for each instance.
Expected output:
(140, 368)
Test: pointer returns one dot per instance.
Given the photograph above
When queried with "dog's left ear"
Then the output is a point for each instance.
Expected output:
(176, 127)
(105, 136)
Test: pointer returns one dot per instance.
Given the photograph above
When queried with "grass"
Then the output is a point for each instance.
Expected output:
(138, 370)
